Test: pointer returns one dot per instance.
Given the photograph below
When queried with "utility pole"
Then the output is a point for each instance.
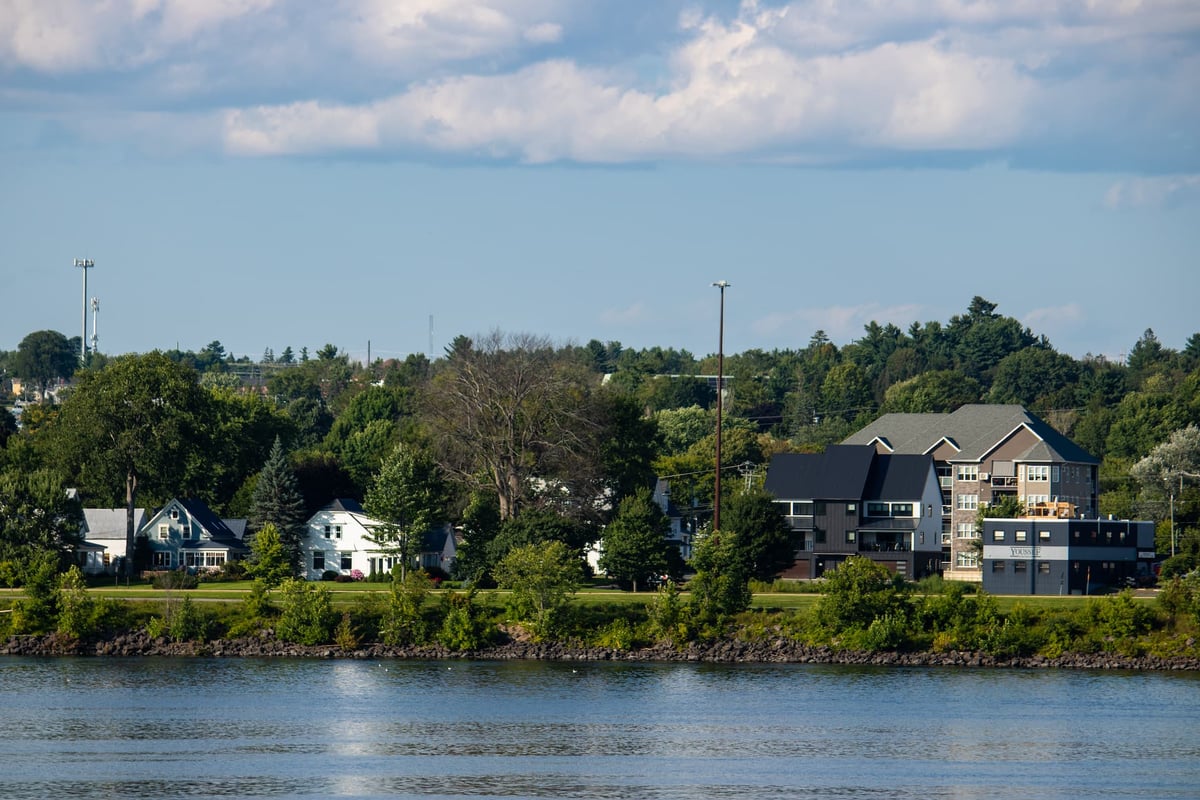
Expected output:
(84, 264)
(722, 285)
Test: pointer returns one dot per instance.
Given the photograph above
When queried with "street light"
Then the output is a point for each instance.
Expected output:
(722, 285)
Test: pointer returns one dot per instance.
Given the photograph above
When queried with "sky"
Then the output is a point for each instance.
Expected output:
(384, 176)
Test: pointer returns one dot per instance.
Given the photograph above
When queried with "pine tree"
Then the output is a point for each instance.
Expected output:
(277, 500)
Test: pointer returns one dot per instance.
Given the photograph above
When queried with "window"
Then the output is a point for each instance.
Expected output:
(214, 559)
(1019, 536)
(802, 508)
(877, 509)
(851, 536)
(851, 508)
(945, 475)
(1043, 568)
(174, 513)
(1020, 566)
(328, 531)
(997, 566)
(966, 530)
(967, 472)
(193, 559)
(318, 560)
(1037, 472)
(902, 509)
(1054, 473)
(347, 561)
(1044, 536)
(164, 531)
(967, 502)
(186, 531)
(967, 560)
(997, 536)
(337, 531)
(162, 558)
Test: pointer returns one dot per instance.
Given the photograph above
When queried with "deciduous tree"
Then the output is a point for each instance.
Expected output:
(543, 579)
(138, 424)
(43, 357)
(409, 496)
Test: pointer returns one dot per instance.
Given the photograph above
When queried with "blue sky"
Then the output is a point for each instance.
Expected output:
(275, 172)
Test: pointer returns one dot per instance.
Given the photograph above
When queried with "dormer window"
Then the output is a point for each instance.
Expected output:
(174, 513)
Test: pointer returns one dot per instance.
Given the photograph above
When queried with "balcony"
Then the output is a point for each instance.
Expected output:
(885, 542)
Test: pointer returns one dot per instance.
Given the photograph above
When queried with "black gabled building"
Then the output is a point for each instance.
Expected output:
(852, 500)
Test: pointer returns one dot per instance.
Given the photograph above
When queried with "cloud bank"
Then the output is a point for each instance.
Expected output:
(1104, 85)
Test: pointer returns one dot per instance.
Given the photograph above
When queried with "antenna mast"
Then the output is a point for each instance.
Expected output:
(95, 318)
(84, 264)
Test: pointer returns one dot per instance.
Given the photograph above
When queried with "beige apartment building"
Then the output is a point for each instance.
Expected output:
(982, 453)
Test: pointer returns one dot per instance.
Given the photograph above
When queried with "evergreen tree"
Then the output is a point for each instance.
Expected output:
(277, 500)
(635, 545)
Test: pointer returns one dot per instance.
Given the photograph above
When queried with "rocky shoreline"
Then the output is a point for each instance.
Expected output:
(774, 651)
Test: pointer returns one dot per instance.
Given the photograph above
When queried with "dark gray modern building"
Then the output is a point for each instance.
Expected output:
(1048, 555)
(851, 500)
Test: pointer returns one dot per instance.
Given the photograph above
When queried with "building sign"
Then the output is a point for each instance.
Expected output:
(993, 552)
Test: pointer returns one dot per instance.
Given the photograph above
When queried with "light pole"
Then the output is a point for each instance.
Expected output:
(84, 264)
(722, 285)
(1182, 474)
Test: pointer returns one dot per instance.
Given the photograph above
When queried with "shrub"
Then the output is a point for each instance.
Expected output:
(856, 594)
(403, 618)
(186, 622)
(306, 613)
(344, 635)
(666, 615)
(77, 615)
(329, 575)
(37, 612)
(462, 625)
(617, 635)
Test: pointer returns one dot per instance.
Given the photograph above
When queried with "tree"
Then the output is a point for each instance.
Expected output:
(270, 561)
(940, 392)
(37, 514)
(277, 501)
(43, 357)
(543, 579)
(1168, 467)
(140, 422)
(720, 588)
(409, 496)
(506, 410)
(537, 526)
(635, 545)
(764, 536)
(857, 593)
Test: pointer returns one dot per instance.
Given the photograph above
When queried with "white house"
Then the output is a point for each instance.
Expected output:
(103, 533)
(338, 539)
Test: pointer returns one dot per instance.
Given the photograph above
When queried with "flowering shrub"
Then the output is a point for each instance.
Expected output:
(356, 574)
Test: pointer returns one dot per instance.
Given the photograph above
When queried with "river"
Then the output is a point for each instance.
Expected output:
(249, 728)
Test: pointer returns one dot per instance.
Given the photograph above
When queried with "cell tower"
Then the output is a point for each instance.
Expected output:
(84, 264)
(95, 318)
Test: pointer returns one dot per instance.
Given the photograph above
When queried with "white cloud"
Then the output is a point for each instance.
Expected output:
(1153, 192)
(57, 36)
(811, 82)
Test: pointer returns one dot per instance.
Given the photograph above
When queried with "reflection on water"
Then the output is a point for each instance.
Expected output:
(162, 728)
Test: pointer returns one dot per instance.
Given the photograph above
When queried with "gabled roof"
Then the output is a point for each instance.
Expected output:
(199, 511)
(108, 524)
(344, 504)
(839, 473)
(899, 477)
(975, 430)
(237, 527)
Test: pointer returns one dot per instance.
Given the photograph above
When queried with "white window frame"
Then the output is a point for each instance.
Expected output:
(164, 532)
(966, 530)
(966, 560)
(966, 502)
(1037, 472)
(967, 472)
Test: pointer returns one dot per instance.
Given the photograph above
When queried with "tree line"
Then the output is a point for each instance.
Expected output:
(519, 440)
